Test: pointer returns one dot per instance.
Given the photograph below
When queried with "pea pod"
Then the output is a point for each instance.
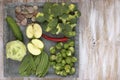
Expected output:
(46, 70)
(24, 64)
(43, 63)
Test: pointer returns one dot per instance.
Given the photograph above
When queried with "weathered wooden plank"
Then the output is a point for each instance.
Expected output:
(99, 28)
(1, 39)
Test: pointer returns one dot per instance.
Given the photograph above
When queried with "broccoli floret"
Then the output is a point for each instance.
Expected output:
(70, 34)
(71, 17)
(77, 14)
(39, 14)
(47, 8)
(51, 25)
(59, 28)
(40, 17)
(74, 16)
(64, 18)
(55, 9)
(53, 31)
(73, 25)
(64, 8)
(66, 27)
(72, 7)
(49, 17)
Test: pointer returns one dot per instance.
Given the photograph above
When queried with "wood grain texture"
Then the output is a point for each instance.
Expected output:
(99, 40)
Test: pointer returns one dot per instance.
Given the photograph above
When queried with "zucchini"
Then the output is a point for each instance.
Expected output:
(15, 28)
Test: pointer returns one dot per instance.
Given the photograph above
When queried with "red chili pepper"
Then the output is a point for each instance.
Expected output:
(64, 39)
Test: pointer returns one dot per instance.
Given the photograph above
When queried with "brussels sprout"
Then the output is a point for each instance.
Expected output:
(53, 57)
(71, 43)
(68, 53)
(71, 49)
(58, 67)
(67, 68)
(59, 59)
(64, 55)
(66, 46)
(59, 45)
(52, 50)
(74, 59)
(72, 71)
(68, 60)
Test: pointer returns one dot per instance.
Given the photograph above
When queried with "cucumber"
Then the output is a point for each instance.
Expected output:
(15, 28)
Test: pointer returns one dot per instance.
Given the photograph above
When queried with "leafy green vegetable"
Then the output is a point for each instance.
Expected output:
(15, 50)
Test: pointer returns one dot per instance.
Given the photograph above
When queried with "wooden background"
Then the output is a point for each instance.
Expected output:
(99, 40)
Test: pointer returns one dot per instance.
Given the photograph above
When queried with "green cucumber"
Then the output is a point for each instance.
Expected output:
(15, 28)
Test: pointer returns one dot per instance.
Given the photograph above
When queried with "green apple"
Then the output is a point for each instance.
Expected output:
(35, 46)
(34, 30)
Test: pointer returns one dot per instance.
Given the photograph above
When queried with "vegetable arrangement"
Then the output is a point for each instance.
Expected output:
(55, 19)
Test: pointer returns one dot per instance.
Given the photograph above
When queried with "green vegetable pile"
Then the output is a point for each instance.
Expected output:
(35, 65)
(59, 18)
(62, 58)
